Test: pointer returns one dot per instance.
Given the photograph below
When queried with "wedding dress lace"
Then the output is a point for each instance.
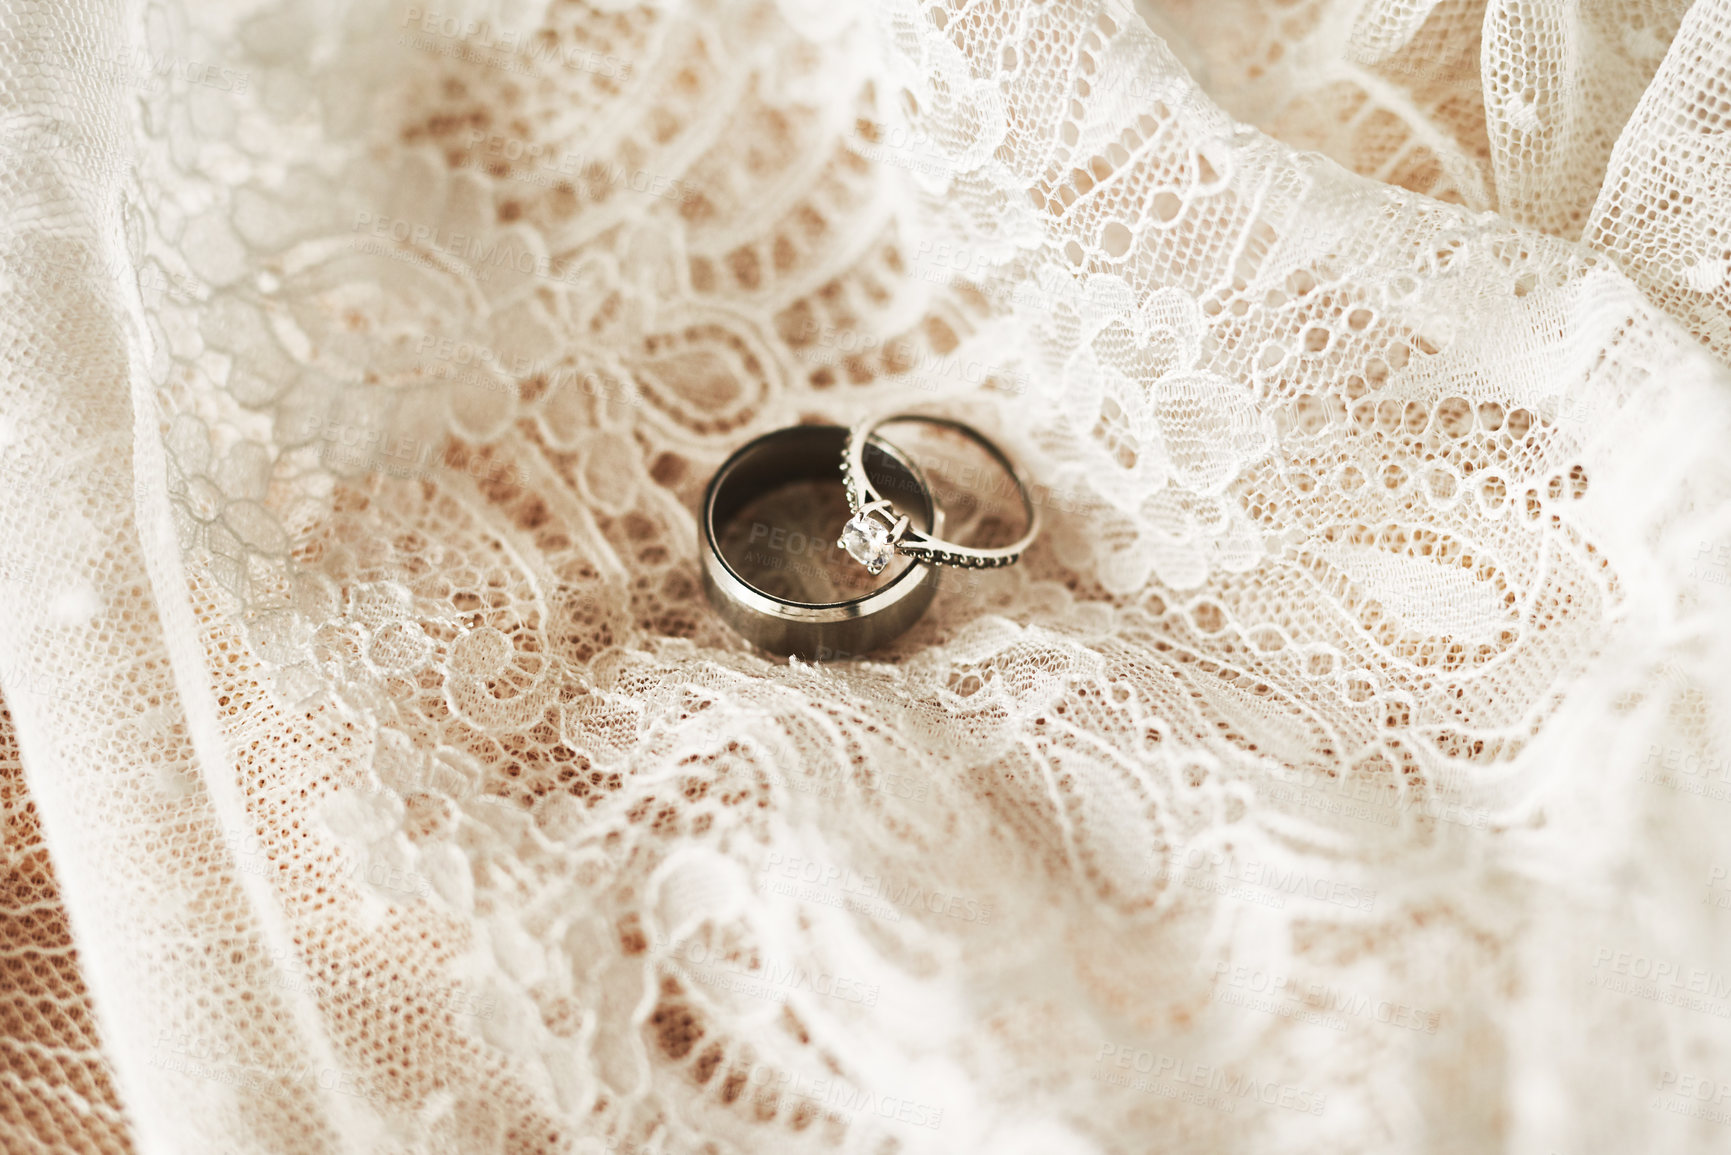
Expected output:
(1345, 770)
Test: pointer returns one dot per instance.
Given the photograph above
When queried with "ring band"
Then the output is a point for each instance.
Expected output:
(816, 631)
(871, 542)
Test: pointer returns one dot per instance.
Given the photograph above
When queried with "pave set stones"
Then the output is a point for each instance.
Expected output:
(944, 557)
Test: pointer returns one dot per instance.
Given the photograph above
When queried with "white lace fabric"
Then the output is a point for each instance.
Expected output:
(1344, 770)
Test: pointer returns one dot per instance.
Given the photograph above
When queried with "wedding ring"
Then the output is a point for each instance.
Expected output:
(812, 630)
(873, 542)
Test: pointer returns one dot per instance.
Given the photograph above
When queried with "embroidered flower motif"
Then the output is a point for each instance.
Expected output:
(1167, 437)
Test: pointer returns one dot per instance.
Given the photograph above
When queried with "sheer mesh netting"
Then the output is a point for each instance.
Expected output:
(1345, 769)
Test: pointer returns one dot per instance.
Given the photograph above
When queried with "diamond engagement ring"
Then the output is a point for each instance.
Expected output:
(815, 631)
(877, 531)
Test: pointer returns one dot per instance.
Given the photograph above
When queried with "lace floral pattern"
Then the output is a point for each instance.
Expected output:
(1324, 778)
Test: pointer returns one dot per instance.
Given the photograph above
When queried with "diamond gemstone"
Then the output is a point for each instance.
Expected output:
(868, 541)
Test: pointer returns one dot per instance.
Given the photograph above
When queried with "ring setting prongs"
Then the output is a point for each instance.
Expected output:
(870, 542)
